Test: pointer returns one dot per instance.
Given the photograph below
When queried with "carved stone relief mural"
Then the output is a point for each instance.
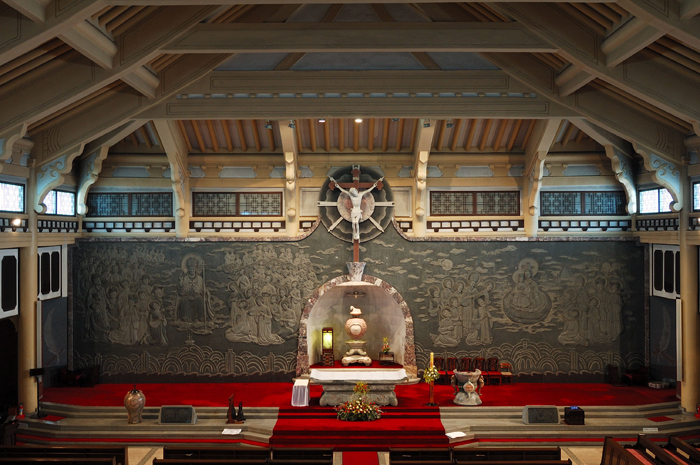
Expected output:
(219, 308)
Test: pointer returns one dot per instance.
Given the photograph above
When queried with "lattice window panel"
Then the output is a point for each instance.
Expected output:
(237, 203)
(604, 203)
(11, 197)
(451, 203)
(214, 203)
(497, 203)
(560, 203)
(108, 204)
(260, 204)
(152, 204)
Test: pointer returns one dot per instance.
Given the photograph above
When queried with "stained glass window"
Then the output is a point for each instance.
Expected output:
(696, 196)
(665, 200)
(60, 203)
(468, 203)
(655, 201)
(11, 197)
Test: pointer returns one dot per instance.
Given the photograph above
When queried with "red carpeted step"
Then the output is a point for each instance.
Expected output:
(360, 458)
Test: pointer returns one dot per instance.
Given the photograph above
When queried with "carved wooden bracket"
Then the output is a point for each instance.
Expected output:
(90, 168)
(8, 140)
(622, 166)
(53, 174)
(664, 173)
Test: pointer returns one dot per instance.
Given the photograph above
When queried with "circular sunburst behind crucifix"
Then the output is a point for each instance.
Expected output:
(356, 204)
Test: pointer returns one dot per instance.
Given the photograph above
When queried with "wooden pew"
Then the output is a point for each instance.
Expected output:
(514, 462)
(677, 445)
(661, 455)
(405, 454)
(120, 453)
(308, 455)
(58, 460)
(228, 453)
(193, 461)
(503, 454)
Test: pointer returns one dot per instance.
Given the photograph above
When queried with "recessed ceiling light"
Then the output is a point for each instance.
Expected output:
(358, 120)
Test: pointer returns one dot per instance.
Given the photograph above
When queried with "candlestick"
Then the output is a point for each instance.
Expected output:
(431, 359)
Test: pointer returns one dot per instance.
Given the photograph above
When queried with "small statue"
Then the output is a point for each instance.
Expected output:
(240, 418)
(231, 414)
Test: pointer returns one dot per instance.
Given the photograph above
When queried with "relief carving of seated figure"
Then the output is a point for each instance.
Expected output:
(467, 387)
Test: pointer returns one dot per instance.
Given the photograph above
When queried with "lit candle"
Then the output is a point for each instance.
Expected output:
(431, 359)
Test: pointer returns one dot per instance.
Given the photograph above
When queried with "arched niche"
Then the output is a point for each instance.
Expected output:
(383, 308)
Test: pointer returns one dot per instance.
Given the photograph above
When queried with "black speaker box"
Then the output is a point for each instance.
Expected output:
(548, 414)
(177, 414)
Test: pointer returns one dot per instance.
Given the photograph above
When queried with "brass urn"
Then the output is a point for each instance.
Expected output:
(134, 401)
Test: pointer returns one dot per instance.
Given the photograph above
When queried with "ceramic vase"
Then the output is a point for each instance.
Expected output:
(134, 401)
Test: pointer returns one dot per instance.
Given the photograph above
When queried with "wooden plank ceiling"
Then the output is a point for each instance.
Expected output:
(381, 135)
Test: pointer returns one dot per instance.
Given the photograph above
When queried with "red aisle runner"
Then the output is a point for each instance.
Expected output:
(360, 458)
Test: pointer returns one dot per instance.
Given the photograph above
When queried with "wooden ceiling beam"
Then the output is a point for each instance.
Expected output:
(198, 135)
(358, 37)
(312, 134)
(146, 136)
(470, 135)
(399, 134)
(370, 135)
(256, 135)
(455, 133)
(385, 135)
(271, 139)
(485, 134)
(181, 125)
(356, 136)
(341, 134)
(514, 134)
(212, 136)
(241, 135)
(499, 135)
(441, 135)
(227, 135)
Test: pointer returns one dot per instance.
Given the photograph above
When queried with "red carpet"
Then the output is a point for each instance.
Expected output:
(280, 394)
(398, 427)
(660, 419)
(360, 458)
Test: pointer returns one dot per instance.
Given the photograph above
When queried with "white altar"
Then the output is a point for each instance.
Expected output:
(338, 384)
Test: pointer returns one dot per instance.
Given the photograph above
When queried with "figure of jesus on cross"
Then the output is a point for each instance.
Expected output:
(356, 199)
(355, 205)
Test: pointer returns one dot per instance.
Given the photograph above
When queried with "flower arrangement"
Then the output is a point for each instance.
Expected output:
(358, 408)
(385, 345)
(431, 374)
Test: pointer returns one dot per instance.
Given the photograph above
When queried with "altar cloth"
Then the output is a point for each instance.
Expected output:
(339, 384)
(300, 393)
(395, 375)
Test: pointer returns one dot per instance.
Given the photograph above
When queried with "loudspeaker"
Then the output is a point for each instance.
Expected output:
(183, 414)
(540, 414)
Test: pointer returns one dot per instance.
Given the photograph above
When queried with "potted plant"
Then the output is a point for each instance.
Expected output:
(358, 408)
(386, 356)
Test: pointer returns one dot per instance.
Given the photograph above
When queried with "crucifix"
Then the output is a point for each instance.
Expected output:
(355, 205)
